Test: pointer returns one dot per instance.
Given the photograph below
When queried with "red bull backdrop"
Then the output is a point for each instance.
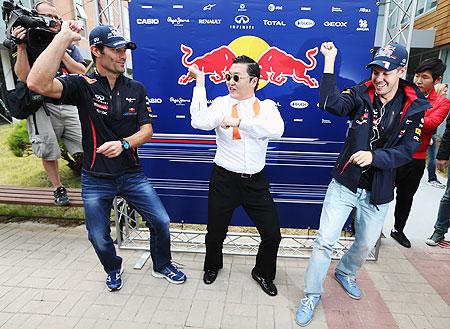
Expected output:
(283, 37)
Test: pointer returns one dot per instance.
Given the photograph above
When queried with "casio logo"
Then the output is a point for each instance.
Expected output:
(130, 99)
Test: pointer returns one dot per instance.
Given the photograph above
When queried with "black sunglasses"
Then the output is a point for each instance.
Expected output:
(235, 77)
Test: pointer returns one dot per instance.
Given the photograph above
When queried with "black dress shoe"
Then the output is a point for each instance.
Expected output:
(210, 276)
(266, 285)
(401, 238)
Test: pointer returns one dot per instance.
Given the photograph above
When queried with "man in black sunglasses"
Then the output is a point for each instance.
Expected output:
(243, 126)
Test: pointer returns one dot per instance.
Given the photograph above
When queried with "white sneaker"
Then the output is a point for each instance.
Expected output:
(436, 183)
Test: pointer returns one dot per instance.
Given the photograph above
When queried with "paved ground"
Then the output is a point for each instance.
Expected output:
(50, 278)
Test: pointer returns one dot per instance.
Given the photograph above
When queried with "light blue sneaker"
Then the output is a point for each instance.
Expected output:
(171, 273)
(349, 284)
(306, 310)
(114, 279)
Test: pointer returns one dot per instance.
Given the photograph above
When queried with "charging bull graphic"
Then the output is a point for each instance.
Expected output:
(276, 65)
(215, 63)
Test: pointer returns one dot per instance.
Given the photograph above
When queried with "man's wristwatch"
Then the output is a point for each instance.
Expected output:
(125, 144)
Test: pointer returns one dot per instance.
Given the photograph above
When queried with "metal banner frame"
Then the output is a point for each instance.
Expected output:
(132, 234)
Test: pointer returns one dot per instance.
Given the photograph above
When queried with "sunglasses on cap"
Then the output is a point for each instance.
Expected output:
(235, 77)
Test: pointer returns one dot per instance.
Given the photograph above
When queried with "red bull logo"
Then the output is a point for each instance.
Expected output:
(276, 64)
(214, 63)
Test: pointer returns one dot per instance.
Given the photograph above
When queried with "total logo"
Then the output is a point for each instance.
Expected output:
(179, 101)
(299, 104)
(177, 21)
(154, 100)
(147, 21)
(364, 10)
(242, 7)
(208, 21)
(363, 25)
(271, 7)
(304, 23)
(335, 24)
(273, 23)
(242, 21)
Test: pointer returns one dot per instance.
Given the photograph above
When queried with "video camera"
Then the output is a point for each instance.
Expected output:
(38, 34)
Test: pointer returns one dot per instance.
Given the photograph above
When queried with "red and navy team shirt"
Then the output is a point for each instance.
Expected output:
(107, 115)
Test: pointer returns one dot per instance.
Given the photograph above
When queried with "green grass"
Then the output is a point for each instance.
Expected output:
(28, 171)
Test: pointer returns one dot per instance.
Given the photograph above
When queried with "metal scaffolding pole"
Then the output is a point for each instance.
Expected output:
(398, 25)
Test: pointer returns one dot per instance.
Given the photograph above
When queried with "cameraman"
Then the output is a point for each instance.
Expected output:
(51, 123)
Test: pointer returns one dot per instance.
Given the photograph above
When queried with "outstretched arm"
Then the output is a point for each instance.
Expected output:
(41, 78)
(202, 116)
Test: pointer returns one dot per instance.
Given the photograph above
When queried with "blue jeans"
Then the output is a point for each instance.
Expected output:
(431, 166)
(337, 205)
(98, 194)
(443, 218)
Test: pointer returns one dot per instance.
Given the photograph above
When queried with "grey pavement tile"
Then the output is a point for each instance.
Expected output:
(85, 324)
(128, 325)
(177, 318)
(34, 321)
(214, 314)
(196, 316)
(59, 322)
(236, 321)
(104, 312)
(420, 321)
(39, 307)
(15, 321)
(265, 317)
(4, 317)
(284, 318)
(146, 310)
(64, 307)
(17, 301)
(130, 309)
(83, 304)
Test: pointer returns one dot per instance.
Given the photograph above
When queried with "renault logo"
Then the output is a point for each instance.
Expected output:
(242, 19)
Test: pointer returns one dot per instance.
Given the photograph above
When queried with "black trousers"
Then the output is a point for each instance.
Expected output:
(407, 182)
(227, 191)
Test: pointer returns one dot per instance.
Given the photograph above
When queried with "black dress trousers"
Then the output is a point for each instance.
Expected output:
(229, 190)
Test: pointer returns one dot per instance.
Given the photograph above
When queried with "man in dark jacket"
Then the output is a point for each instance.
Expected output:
(386, 116)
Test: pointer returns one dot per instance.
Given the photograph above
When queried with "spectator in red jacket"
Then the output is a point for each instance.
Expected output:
(427, 74)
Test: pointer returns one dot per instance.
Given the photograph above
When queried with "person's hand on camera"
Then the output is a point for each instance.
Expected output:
(19, 32)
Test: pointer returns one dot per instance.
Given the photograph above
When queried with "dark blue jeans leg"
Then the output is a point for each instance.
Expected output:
(98, 194)
(431, 167)
(443, 219)
(137, 191)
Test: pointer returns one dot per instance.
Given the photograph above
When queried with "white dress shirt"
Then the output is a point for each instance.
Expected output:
(248, 154)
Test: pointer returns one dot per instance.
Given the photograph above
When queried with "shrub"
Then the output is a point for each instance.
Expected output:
(18, 141)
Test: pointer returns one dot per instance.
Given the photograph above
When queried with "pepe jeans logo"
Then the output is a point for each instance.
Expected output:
(177, 21)
(179, 101)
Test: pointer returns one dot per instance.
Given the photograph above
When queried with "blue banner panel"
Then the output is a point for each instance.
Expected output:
(284, 37)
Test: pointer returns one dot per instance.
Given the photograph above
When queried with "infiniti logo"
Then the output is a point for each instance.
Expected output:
(242, 19)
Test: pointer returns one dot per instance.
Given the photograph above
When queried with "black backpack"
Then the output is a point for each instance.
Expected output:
(23, 102)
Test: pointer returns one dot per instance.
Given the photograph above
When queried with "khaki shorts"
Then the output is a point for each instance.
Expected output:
(45, 131)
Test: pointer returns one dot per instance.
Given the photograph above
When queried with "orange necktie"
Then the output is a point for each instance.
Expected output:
(234, 114)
